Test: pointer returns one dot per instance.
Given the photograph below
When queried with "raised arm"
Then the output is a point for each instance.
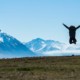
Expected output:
(78, 27)
(66, 26)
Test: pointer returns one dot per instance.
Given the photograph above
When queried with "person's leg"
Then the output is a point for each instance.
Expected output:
(74, 40)
(70, 40)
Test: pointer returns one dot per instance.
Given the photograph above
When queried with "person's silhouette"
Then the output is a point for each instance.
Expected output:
(72, 33)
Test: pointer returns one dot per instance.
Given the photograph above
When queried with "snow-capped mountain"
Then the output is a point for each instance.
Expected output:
(52, 48)
(11, 47)
(39, 45)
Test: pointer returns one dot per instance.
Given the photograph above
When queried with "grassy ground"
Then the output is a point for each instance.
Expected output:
(45, 68)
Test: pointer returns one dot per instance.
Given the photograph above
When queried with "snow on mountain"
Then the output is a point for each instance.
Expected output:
(39, 45)
(1, 39)
(11, 47)
(53, 48)
(36, 44)
(55, 44)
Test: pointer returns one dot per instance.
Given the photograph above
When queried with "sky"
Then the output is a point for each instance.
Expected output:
(30, 19)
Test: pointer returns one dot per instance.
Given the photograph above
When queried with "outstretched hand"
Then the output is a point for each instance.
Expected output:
(63, 23)
(78, 27)
(66, 26)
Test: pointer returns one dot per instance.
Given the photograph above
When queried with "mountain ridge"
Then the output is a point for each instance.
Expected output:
(12, 46)
(52, 47)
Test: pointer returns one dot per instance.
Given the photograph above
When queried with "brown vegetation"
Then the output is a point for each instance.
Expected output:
(40, 68)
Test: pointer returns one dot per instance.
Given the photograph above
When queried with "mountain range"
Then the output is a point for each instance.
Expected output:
(39, 45)
(52, 47)
(11, 47)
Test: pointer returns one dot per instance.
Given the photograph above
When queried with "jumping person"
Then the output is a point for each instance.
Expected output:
(72, 33)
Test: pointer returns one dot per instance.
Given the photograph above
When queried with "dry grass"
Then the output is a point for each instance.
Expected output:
(40, 68)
